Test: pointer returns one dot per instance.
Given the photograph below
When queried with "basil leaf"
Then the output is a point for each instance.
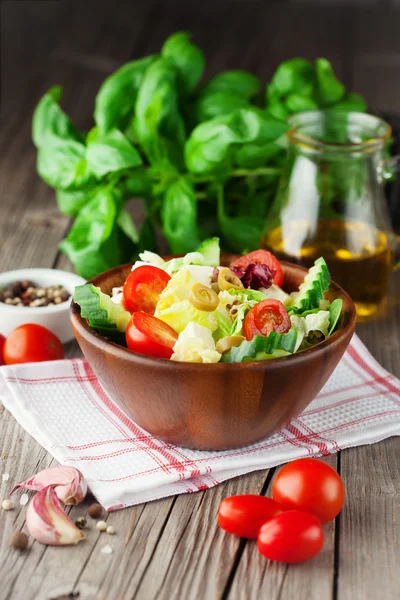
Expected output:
(295, 76)
(211, 145)
(147, 237)
(70, 203)
(239, 233)
(352, 102)
(115, 100)
(335, 309)
(158, 124)
(236, 82)
(297, 103)
(92, 244)
(49, 122)
(63, 165)
(252, 156)
(137, 184)
(125, 223)
(277, 109)
(179, 216)
(111, 152)
(260, 344)
(187, 58)
(216, 103)
(329, 89)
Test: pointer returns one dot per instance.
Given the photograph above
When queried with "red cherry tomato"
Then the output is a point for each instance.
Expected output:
(261, 257)
(311, 485)
(291, 537)
(143, 287)
(148, 335)
(2, 341)
(244, 515)
(266, 316)
(32, 343)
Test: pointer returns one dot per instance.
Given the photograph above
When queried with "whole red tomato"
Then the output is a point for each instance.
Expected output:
(2, 342)
(244, 515)
(311, 485)
(32, 343)
(292, 537)
(143, 287)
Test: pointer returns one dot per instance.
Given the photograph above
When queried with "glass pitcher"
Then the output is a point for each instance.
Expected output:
(331, 203)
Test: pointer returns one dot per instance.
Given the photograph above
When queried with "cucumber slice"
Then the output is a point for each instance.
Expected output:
(260, 345)
(106, 317)
(313, 288)
(211, 252)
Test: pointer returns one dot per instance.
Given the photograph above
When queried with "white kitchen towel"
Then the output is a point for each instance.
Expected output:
(63, 406)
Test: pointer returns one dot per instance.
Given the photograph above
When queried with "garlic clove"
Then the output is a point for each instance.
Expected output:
(47, 522)
(68, 483)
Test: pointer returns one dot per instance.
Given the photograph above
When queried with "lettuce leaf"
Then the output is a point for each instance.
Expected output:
(252, 295)
(334, 313)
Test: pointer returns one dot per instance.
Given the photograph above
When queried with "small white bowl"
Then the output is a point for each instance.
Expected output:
(56, 318)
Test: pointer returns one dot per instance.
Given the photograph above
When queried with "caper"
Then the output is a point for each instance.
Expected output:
(228, 280)
(225, 344)
(203, 297)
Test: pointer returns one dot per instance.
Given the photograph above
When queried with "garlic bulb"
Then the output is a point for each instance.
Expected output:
(68, 483)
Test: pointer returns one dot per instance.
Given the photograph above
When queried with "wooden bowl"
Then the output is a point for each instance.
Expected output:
(213, 406)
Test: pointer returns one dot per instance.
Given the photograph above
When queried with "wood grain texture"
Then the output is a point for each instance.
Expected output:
(174, 549)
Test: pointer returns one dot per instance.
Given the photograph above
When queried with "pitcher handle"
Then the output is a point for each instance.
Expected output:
(388, 169)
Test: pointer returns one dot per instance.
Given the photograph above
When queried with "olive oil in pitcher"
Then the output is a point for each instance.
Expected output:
(330, 202)
(358, 256)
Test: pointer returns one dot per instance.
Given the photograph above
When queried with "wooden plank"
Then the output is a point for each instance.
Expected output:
(381, 334)
(189, 558)
(257, 577)
(30, 229)
(369, 551)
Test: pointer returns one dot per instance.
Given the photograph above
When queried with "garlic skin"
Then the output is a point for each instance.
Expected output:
(68, 483)
(47, 522)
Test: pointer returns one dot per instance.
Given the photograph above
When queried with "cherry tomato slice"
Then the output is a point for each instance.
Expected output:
(148, 335)
(291, 537)
(244, 515)
(261, 257)
(32, 343)
(2, 342)
(311, 485)
(266, 316)
(143, 287)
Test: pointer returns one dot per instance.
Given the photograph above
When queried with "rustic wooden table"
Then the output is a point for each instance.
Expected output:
(172, 548)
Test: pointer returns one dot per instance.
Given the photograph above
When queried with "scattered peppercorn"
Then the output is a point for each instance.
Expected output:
(81, 522)
(19, 540)
(7, 505)
(26, 293)
(101, 525)
(95, 511)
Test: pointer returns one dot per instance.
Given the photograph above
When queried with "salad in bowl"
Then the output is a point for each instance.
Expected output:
(192, 309)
